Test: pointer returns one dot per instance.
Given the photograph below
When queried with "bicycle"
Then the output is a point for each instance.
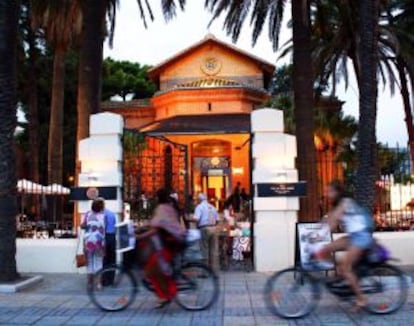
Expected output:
(197, 287)
(295, 292)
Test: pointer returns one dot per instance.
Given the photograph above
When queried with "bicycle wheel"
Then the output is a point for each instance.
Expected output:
(198, 287)
(385, 288)
(291, 293)
(114, 289)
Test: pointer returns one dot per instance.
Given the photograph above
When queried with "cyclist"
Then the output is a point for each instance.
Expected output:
(159, 246)
(357, 223)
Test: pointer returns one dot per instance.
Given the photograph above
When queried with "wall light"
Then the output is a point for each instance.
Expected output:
(239, 170)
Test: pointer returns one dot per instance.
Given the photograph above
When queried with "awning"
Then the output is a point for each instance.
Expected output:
(200, 124)
(29, 187)
(56, 189)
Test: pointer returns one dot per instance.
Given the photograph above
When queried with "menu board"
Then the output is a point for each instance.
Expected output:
(123, 237)
(311, 237)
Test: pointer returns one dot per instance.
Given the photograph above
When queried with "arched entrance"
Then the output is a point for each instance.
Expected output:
(211, 161)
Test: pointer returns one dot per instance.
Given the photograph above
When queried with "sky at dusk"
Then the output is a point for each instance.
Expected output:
(161, 40)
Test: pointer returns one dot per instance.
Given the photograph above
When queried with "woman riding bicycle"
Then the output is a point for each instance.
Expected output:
(159, 246)
(357, 223)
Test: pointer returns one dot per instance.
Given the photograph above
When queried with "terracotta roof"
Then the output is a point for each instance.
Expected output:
(196, 124)
(208, 82)
(143, 103)
(266, 66)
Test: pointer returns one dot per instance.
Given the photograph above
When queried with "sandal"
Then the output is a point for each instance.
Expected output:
(359, 305)
(162, 303)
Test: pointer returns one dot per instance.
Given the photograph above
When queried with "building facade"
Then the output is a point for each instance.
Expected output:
(193, 135)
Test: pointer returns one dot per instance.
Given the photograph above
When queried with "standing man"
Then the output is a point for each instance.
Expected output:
(207, 217)
(110, 241)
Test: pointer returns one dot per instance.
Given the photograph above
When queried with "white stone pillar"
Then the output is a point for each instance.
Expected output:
(273, 154)
(101, 158)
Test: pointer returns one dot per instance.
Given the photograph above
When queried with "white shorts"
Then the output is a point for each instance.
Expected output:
(94, 262)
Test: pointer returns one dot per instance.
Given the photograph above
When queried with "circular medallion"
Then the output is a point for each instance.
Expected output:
(92, 193)
(211, 66)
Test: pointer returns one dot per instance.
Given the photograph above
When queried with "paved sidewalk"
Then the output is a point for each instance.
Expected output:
(61, 300)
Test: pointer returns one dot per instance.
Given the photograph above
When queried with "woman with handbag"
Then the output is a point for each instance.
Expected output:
(93, 223)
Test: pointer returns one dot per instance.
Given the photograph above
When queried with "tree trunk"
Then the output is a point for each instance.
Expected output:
(405, 94)
(304, 112)
(90, 64)
(33, 118)
(55, 142)
(8, 204)
(367, 141)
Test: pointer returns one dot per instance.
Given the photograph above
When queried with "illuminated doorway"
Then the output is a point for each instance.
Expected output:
(211, 173)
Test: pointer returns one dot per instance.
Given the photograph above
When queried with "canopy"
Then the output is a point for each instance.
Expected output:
(29, 187)
(56, 189)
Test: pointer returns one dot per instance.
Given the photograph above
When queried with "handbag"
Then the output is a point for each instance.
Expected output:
(80, 258)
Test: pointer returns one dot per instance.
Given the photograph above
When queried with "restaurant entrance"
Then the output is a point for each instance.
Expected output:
(211, 170)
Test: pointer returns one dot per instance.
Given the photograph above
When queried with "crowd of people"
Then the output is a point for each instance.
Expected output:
(159, 244)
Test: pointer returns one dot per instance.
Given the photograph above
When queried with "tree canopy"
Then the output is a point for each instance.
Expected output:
(125, 78)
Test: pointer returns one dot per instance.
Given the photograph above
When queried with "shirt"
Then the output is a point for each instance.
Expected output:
(206, 214)
(355, 218)
(110, 222)
(94, 238)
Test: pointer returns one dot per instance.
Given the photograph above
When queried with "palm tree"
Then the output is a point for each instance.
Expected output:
(9, 10)
(272, 12)
(91, 52)
(399, 23)
(60, 21)
(336, 40)
(30, 35)
(368, 92)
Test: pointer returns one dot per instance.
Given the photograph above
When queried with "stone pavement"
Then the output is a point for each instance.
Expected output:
(61, 300)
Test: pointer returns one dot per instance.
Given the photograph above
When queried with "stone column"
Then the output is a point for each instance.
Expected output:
(273, 154)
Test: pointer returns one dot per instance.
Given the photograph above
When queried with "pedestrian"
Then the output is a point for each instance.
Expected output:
(244, 195)
(110, 242)
(93, 223)
(206, 217)
(181, 213)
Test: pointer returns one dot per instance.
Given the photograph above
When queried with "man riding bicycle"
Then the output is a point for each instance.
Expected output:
(358, 225)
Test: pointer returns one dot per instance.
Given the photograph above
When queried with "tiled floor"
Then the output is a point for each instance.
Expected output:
(61, 300)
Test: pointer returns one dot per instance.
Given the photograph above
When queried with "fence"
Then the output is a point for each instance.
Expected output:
(394, 207)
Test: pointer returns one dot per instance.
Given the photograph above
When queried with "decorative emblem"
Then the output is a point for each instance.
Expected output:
(92, 193)
(211, 66)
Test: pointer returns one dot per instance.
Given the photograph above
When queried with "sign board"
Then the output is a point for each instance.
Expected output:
(123, 236)
(90, 193)
(287, 189)
(311, 237)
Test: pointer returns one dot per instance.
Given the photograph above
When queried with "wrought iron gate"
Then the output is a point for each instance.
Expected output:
(151, 163)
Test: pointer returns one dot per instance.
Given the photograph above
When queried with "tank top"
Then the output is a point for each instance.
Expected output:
(355, 218)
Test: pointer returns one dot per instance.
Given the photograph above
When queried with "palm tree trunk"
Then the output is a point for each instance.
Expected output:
(55, 143)
(90, 64)
(33, 109)
(405, 94)
(304, 112)
(367, 149)
(8, 204)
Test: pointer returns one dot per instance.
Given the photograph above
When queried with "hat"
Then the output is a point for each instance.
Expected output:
(202, 196)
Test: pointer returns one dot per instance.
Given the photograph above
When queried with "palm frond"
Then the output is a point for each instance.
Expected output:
(236, 13)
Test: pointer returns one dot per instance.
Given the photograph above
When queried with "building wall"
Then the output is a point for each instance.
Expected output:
(232, 66)
(135, 118)
(206, 101)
